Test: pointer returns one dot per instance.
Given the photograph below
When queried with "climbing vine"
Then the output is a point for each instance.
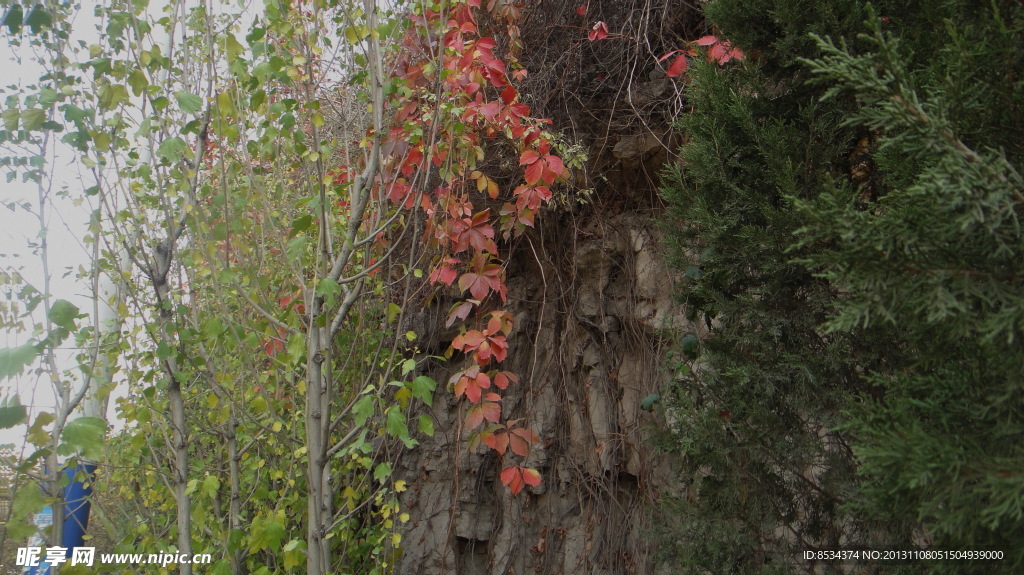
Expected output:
(470, 104)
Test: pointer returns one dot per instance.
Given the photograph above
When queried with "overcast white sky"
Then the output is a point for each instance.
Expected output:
(67, 221)
(18, 229)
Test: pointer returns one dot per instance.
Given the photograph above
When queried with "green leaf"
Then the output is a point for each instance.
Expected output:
(33, 118)
(27, 501)
(296, 347)
(84, 435)
(37, 435)
(382, 472)
(232, 47)
(393, 311)
(210, 486)
(11, 117)
(14, 360)
(225, 106)
(112, 96)
(300, 224)
(38, 19)
(138, 82)
(408, 365)
(648, 403)
(426, 425)
(221, 567)
(690, 343)
(172, 149)
(13, 18)
(296, 247)
(273, 533)
(189, 103)
(363, 409)
(63, 313)
(12, 412)
(329, 289)
(423, 388)
(396, 427)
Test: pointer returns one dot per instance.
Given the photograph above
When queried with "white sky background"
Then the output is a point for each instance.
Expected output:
(67, 223)
(67, 218)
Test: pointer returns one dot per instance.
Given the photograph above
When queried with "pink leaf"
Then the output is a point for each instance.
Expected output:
(598, 32)
(668, 55)
(707, 40)
(459, 311)
(677, 67)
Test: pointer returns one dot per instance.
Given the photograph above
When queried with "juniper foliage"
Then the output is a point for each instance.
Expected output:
(849, 216)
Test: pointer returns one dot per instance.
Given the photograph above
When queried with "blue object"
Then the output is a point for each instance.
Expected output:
(76, 515)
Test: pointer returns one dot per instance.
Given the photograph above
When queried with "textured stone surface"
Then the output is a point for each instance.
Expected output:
(590, 326)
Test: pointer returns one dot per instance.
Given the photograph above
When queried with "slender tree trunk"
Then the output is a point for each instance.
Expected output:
(235, 502)
(176, 401)
(318, 501)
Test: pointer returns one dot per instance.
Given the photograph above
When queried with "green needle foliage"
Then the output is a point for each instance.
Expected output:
(848, 213)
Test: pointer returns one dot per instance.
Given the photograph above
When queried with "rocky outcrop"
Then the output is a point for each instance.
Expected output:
(594, 308)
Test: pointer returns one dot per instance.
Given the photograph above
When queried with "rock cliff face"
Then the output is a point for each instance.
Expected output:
(593, 303)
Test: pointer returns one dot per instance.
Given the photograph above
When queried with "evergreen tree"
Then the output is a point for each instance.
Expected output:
(848, 218)
(938, 253)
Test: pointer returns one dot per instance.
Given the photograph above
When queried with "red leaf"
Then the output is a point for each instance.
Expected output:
(598, 32)
(471, 384)
(519, 445)
(494, 347)
(475, 417)
(497, 441)
(503, 378)
(486, 43)
(490, 110)
(513, 478)
(459, 311)
(719, 53)
(488, 410)
(677, 67)
(582, 9)
(475, 232)
(508, 95)
(706, 40)
(468, 341)
(553, 167)
(273, 346)
(517, 477)
(505, 322)
(668, 55)
(531, 197)
(477, 284)
(445, 274)
(528, 157)
(534, 172)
